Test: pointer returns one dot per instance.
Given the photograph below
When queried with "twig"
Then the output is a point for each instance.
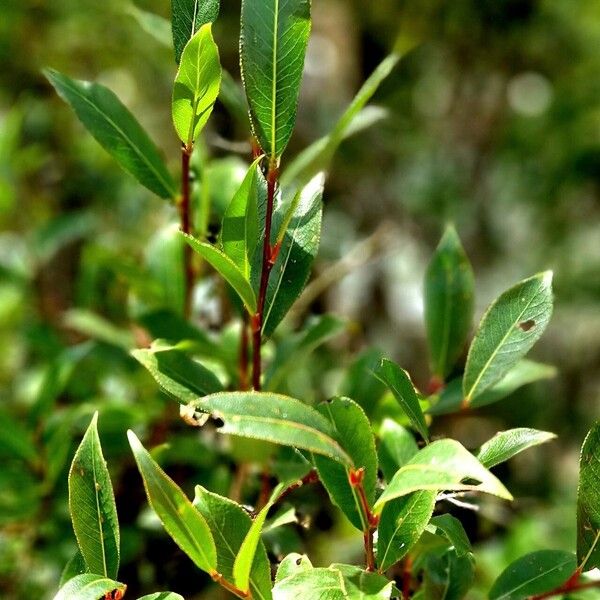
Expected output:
(185, 218)
(310, 477)
(370, 520)
(572, 585)
(230, 587)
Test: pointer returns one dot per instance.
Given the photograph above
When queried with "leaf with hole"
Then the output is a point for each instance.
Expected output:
(196, 86)
(442, 465)
(182, 521)
(89, 587)
(116, 130)
(92, 506)
(506, 444)
(534, 573)
(187, 17)
(353, 432)
(273, 39)
(510, 327)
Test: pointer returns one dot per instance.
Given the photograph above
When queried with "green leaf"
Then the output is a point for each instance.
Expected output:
(294, 349)
(98, 328)
(443, 465)
(353, 432)
(162, 596)
(588, 503)
(92, 506)
(239, 233)
(360, 383)
(180, 376)
(274, 418)
(454, 531)
(506, 444)
(401, 524)
(227, 269)
(293, 563)
(75, 566)
(116, 130)
(155, 25)
(508, 330)
(273, 39)
(396, 447)
(338, 582)
(88, 587)
(196, 85)
(182, 521)
(534, 573)
(448, 577)
(400, 384)
(16, 440)
(318, 155)
(247, 552)
(299, 247)
(188, 16)
(229, 524)
(449, 302)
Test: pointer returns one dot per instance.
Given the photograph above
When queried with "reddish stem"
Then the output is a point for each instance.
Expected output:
(230, 587)
(406, 577)
(310, 477)
(371, 520)
(572, 585)
(185, 218)
(268, 260)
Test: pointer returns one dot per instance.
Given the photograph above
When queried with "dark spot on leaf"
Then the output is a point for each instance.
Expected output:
(527, 325)
(299, 561)
(218, 422)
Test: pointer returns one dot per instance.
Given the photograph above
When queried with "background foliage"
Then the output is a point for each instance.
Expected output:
(492, 122)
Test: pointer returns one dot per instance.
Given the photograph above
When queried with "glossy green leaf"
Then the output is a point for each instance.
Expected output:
(396, 447)
(510, 327)
(401, 524)
(227, 269)
(180, 376)
(299, 247)
(116, 130)
(273, 39)
(535, 573)
(75, 566)
(274, 418)
(443, 465)
(92, 506)
(338, 582)
(318, 155)
(230, 524)
(247, 552)
(454, 531)
(353, 432)
(294, 349)
(449, 303)
(239, 233)
(506, 444)
(196, 85)
(88, 587)
(400, 384)
(448, 576)
(181, 520)
(187, 17)
(588, 502)
(162, 596)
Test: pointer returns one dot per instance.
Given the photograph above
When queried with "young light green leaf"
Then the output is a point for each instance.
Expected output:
(299, 246)
(400, 384)
(188, 16)
(116, 130)
(318, 155)
(196, 85)
(338, 582)
(92, 506)
(449, 303)
(181, 520)
(532, 574)
(353, 432)
(274, 418)
(227, 269)
(239, 233)
(506, 444)
(162, 596)
(588, 505)
(294, 349)
(247, 552)
(88, 587)
(292, 564)
(510, 327)
(177, 374)
(448, 576)
(442, 465)
(396, 447)
(230, 524)
(454, 531)
(401, 524)
(273, 39)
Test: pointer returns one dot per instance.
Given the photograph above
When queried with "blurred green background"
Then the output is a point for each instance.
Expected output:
(492, 122)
